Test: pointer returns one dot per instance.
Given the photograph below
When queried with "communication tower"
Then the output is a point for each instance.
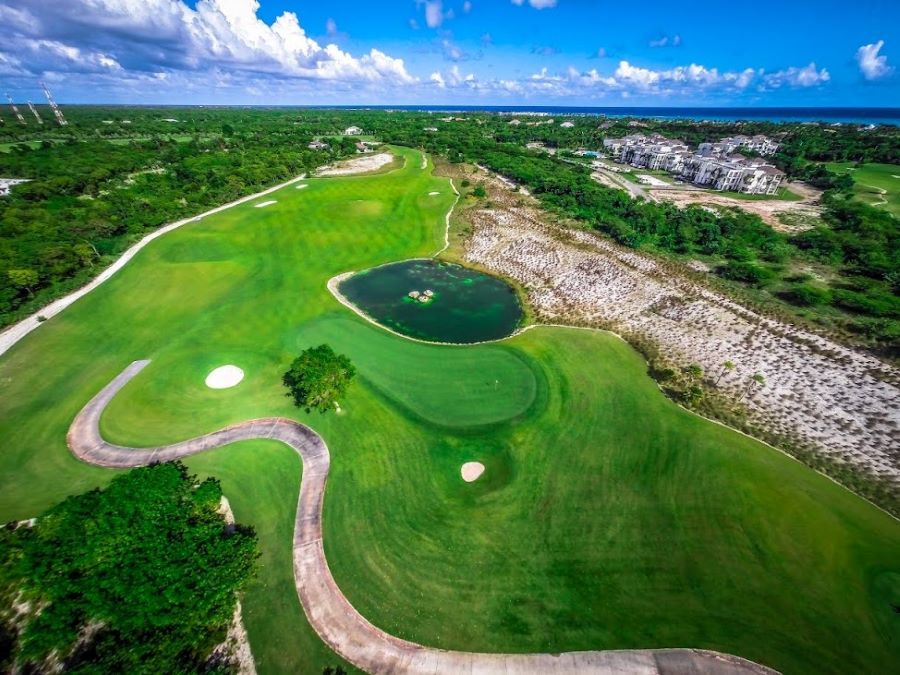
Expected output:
(60, 118)
(15, 110)
(35, 112)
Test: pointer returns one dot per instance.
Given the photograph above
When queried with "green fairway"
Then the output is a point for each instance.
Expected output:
(875, 184)
(607, 517)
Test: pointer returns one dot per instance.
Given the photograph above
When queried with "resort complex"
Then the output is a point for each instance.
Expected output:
(714, 165)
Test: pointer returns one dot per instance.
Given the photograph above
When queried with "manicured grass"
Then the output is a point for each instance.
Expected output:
(607, 516)
(875, 184)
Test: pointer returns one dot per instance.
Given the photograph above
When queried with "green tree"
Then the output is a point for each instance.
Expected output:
(317, 378)
(726, 367)
(140, 577)
(23, 278)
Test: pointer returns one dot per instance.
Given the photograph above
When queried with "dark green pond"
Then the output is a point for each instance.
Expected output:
(454, 303)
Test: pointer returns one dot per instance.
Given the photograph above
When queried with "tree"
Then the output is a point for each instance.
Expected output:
(694, 372)
(317, 378)
(479, 191)
(726, 367)
(755, 380)
(140, 577)
(23, 278)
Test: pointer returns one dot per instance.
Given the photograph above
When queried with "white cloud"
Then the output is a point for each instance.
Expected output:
(169, 35)
(537, 4)
(808, 76)
(467, 6)
(434, 13)
(871, 65)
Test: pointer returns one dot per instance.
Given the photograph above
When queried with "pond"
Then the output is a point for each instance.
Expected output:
(436, 301)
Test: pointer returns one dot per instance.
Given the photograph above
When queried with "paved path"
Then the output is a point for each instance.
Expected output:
(344, 629)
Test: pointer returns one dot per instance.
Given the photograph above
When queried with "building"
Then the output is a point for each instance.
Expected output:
(353, 131)
(567, 125)
(713, 165)
(7, 183)
(431, 129)
(363, 148)
(760, 144)
(317, 145)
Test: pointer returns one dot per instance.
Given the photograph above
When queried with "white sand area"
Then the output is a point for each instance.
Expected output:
(359, 165)
(224, 377)
(302, 185)
(262, 204)
(432, 194)
(471, 471)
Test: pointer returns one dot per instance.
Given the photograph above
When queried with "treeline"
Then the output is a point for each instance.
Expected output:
(89, 198)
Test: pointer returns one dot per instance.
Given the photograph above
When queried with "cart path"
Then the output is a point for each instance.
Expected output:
(332, 616)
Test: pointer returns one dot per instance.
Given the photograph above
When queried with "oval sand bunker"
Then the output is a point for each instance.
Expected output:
(471, 471)
(224, 377)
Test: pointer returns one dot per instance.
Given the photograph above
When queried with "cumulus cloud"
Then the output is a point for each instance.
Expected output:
(808, 76)
(871, 65)
(167, 36)
(537, 4)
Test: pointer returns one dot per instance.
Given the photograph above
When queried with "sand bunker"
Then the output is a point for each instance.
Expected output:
(359, 165)
(262, 204)
(432, 194)
(471, 471)
(302, 185)
(224, 377)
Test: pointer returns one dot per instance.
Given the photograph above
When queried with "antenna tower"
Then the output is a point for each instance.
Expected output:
(15, 110)
(35, 112)
(60, 118)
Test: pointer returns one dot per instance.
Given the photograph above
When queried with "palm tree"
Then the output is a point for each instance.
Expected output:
(757, 379)
(726, 367)
(694, 372)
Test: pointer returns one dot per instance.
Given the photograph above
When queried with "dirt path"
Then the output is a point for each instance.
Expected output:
(332, 616)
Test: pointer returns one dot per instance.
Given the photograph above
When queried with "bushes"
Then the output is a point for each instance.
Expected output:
(806, 295)
(746, 272)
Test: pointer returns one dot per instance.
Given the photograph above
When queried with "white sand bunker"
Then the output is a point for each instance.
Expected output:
(471, 471)
(302, 185)
(224, 377)
(262, 204)
(432, 194)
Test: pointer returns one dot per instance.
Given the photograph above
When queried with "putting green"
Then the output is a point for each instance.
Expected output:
(607, 517)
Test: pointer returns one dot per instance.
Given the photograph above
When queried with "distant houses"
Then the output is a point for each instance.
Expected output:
(7, 183)
(353, 131)
(317, 145)
(714, 165)
(567, 125)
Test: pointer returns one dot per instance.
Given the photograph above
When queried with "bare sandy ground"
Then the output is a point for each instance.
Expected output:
(768, 209)
(363, 164)
(236, 648)
(837, 400)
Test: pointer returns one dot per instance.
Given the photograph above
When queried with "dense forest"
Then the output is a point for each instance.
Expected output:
(116, 173)
(140, 577)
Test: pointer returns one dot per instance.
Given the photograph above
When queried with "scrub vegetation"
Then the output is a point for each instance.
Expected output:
(607, 516)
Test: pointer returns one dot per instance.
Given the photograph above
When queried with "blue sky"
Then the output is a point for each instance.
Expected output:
(525, 52)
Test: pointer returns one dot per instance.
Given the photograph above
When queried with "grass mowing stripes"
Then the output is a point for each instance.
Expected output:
(607, 517)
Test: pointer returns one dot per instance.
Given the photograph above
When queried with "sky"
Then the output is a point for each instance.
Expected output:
(454, 52)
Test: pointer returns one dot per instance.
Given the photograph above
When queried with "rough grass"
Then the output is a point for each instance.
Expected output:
(607, 517)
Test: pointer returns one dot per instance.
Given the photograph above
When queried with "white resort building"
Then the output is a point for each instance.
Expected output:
(713, 165)
(353, 131)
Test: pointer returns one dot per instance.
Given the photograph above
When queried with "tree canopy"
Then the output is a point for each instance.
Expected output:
(318, 377)
(140, 577)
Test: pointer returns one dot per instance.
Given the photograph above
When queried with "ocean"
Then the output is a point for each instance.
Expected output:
(861, 116)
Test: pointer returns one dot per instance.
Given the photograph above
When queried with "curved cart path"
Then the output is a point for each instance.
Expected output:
(344, 629)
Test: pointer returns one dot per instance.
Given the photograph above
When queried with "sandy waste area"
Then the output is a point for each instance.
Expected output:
(840, 401)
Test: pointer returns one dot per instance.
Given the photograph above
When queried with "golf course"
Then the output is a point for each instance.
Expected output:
(875, 184)
(606, 518)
